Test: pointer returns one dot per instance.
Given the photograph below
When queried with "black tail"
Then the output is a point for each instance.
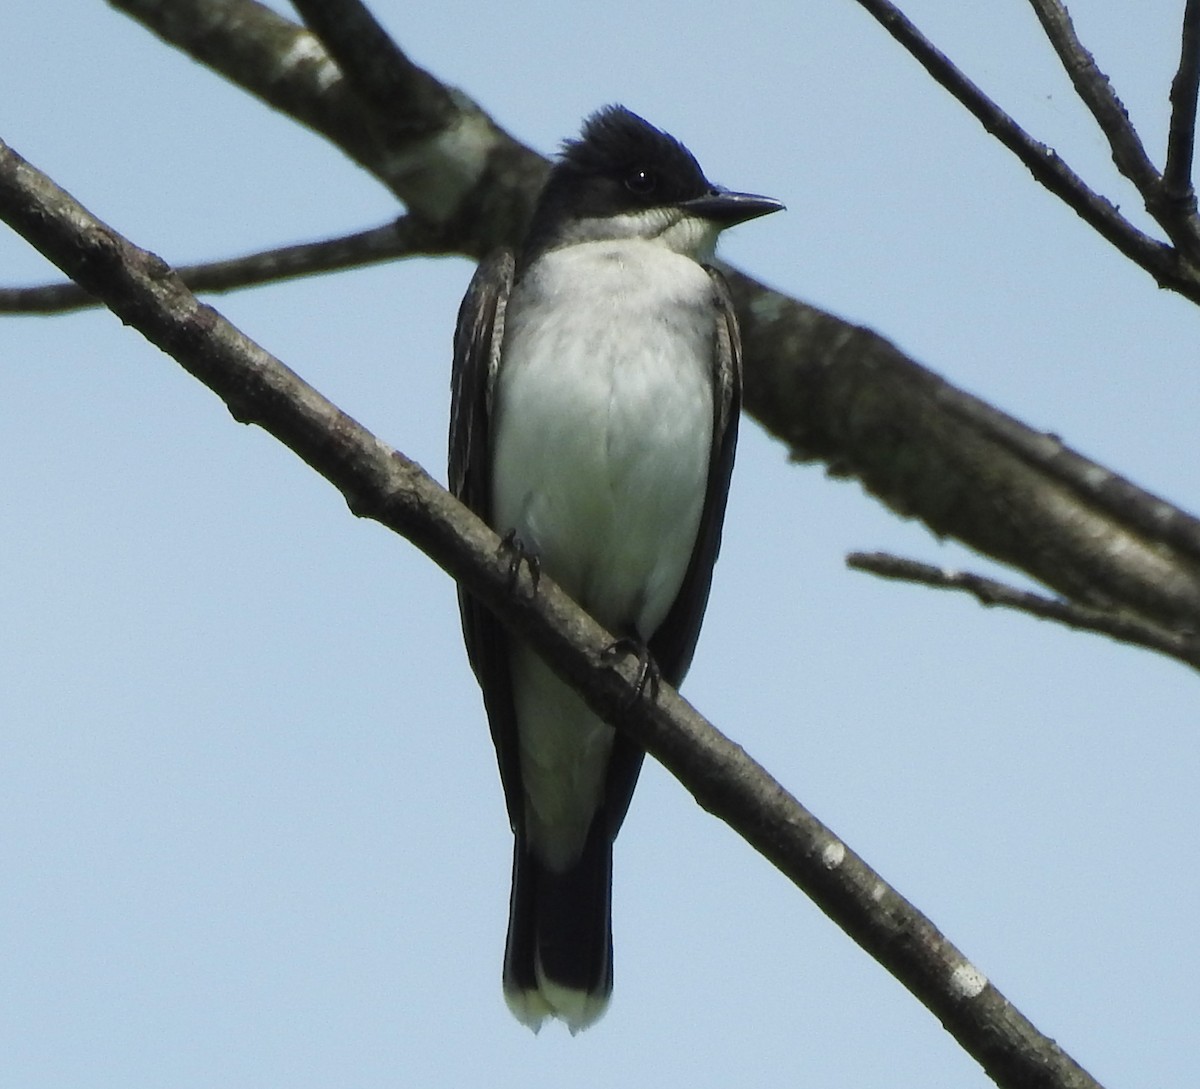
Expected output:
(558, 961)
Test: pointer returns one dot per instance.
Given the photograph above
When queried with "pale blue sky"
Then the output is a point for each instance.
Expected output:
(253, 832)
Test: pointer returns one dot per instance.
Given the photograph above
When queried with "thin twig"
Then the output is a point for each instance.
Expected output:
(380, 483)
(404, 238)
(1128, 153)
(1181, 139)
(1155, 257)
(1096, 92)
(1184, 646)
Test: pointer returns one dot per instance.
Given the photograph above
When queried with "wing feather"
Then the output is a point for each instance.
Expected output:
(477, 341)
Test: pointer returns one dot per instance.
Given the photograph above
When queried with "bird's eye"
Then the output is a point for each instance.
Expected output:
(641, 182)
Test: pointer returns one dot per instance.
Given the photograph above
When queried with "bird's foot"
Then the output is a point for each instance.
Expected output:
(648, 676)
(518, 556)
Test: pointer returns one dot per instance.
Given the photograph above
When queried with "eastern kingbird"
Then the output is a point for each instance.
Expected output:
(596, 391)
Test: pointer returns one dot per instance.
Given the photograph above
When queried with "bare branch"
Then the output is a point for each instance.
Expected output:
(270, 57)
(1177, 176)
(1149, 514)
(381, 484)
(1128, 153)
(404, 99)
(405, 237)
(846, 396)
(1097, 93)
(1181, 645)
(1043, 163)
(467, 177)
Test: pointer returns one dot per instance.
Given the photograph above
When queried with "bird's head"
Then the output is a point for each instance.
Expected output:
(625, 179)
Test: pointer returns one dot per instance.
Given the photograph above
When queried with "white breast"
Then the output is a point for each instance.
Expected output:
(603, 423)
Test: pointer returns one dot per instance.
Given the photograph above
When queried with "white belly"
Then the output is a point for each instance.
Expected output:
(602, 439)
(601, 448)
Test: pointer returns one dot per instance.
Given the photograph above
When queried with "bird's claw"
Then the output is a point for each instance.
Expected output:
(518, 554)
(648, 676)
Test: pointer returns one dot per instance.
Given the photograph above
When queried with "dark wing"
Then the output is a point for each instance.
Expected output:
(477, 340)
(675, 641)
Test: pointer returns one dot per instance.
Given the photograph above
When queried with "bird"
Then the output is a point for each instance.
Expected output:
(595, 395)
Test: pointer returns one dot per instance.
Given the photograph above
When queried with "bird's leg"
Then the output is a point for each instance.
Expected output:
(518, 554)
(648, 676)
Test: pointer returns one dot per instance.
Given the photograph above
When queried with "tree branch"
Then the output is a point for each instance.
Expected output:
(404, 237)
(402, 97)
(846, 396)
(830, 390)
(1096, 92)
(1128, 153)
(1184, 646)
(381, 484)
(1181, 138)
(462, 173)
(1156, 258)
(1150, 515)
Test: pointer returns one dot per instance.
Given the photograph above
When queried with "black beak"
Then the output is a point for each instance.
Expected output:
(726, 208)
